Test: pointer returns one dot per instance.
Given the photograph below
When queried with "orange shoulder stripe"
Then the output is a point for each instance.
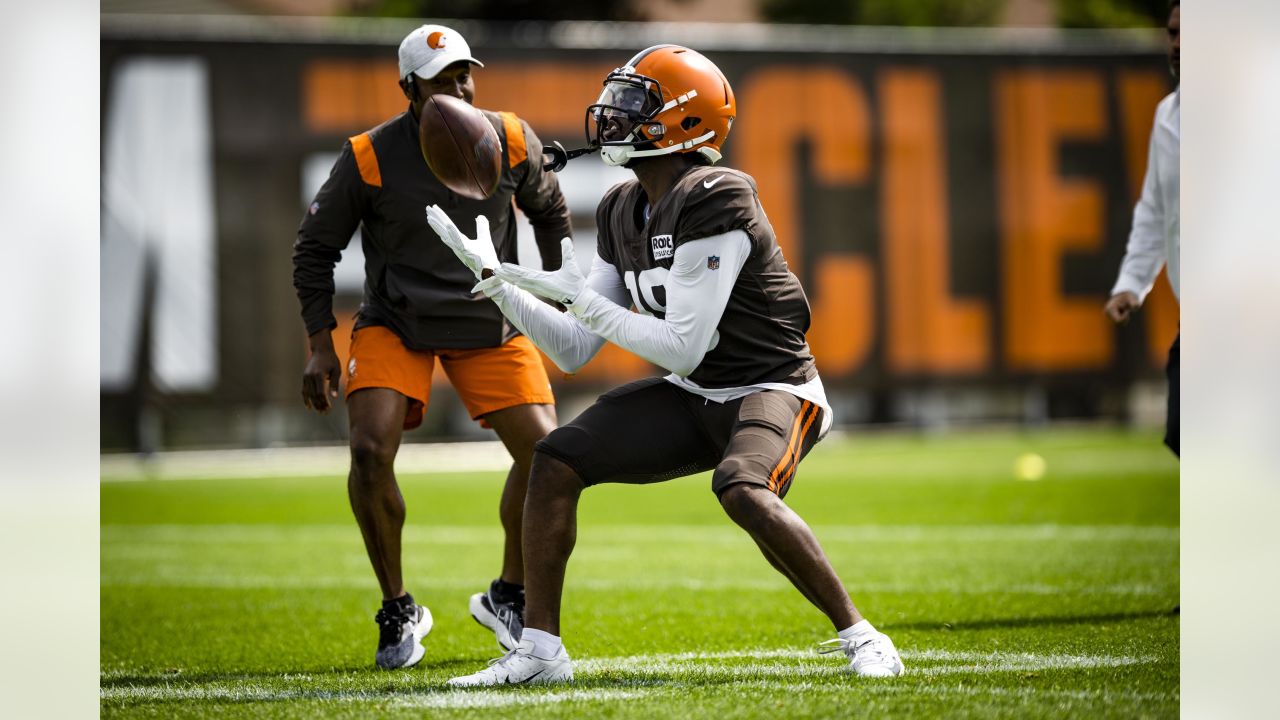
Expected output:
(516, 150)
(366, 159)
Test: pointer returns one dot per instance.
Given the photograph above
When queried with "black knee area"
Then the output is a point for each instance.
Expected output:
(563, 450)
(732, 471)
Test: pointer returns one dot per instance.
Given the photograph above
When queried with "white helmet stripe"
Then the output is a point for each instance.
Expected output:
(678, 101)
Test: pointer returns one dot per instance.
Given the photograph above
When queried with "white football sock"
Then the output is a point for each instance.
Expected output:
(545, 645)
(857, 630)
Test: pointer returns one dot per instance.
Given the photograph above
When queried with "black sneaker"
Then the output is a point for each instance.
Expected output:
(400, 637)
(505, 619)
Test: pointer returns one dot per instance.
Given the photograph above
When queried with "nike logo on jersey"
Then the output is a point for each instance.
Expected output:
(708, 184)
(664, 246)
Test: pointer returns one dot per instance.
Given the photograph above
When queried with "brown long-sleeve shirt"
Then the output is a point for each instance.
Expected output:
(413, 283)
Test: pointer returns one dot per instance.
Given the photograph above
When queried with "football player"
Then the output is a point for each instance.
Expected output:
(418, 309)
(688, 245)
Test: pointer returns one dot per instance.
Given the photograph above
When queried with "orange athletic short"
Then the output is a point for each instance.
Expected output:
(487, 379)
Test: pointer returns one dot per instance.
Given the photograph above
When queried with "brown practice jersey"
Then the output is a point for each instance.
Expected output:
(414, 285)
(762, 330)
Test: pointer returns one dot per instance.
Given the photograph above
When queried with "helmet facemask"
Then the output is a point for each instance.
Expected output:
(621, 121)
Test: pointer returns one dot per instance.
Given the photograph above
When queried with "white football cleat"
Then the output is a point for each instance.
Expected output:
(868, 657)
(520, 667)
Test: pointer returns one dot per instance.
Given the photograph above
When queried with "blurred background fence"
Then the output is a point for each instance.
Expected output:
(956, 202)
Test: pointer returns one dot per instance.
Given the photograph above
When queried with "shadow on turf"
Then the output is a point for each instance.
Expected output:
(1024, 622)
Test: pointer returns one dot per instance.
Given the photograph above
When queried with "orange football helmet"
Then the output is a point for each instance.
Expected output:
(672, 99)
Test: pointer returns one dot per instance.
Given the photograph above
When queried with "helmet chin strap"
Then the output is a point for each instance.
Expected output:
(616, 155)
(620, 154)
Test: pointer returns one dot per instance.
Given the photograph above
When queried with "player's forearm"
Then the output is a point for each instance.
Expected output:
(697, 292)
(559, 335)
(313, 282)
(321, 340)
(317, 313)
(665, 344)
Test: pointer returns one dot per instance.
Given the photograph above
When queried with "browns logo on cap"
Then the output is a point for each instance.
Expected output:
(430, 49)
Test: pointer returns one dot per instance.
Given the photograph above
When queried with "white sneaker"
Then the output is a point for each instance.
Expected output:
(868, 657)
(520, 666)
(504, 619)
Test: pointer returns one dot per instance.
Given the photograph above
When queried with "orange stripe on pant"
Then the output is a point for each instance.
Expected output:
(791, 471)
(791, 446)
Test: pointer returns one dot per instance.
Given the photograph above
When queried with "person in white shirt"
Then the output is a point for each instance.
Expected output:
(1153, 242)
(688, 245)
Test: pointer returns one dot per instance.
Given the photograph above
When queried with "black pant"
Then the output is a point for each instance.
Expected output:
(1171, 370)
(651, 431)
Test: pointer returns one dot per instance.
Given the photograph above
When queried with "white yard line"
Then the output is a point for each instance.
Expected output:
(499, 698)
(764, 669)
(806, 662)
(445, 699)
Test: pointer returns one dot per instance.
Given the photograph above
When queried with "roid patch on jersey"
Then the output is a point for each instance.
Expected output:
(664, 247)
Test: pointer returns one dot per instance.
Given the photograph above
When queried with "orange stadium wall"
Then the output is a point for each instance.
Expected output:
(956, 219)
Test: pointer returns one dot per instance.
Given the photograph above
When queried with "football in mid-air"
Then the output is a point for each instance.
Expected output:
(460, 146)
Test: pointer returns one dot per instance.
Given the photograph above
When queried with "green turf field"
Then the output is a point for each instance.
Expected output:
(1007, 598)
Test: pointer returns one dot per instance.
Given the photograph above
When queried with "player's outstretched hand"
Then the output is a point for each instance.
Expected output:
(562, 285)
(478, 254)
(1121, 307)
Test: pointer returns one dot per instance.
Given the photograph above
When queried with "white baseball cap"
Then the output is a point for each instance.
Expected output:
(430, 49)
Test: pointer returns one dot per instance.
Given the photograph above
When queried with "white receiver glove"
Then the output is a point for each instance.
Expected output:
(564, 285)
(477, 254)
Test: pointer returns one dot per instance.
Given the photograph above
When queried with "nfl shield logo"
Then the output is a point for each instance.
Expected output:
(713, 262)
